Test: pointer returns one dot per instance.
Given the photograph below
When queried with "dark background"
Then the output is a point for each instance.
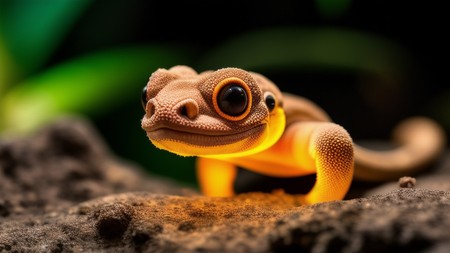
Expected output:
(365, 104)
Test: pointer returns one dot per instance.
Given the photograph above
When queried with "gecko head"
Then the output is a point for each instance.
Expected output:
(224, 113)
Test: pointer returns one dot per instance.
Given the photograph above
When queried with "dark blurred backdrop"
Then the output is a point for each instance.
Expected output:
(369, 64)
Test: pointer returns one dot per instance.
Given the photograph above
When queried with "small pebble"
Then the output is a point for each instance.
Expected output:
(407, 182)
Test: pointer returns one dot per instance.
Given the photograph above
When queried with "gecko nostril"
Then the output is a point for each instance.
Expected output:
(150, 109)
(188, 109)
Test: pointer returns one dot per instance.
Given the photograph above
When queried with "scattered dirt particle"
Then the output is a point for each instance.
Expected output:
(407, 182)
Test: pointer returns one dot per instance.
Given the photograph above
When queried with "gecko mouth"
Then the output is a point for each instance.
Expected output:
(194, 143)
(206, 139)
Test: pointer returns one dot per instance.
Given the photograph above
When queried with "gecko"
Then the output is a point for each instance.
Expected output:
(232, 118)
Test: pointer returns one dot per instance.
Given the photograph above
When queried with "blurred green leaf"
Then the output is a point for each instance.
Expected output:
(294, 48)
(8, 70)
(33, 29)
(87, 85)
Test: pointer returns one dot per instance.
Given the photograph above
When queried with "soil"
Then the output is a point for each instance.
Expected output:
(63, 190)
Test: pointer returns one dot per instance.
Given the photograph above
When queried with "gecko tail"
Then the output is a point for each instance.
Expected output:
(420, 142)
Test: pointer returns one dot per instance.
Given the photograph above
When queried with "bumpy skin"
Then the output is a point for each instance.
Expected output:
(276, 134)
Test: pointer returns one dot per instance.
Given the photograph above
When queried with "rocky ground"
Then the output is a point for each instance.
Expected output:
(62, 190)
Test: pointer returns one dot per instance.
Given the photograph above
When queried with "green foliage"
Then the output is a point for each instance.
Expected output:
(33, 29)
(319, 48)
(87, 85)
(29, 33)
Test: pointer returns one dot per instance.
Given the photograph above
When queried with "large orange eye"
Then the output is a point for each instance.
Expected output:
(232, 99)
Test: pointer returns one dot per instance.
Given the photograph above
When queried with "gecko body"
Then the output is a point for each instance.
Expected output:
(232, 118)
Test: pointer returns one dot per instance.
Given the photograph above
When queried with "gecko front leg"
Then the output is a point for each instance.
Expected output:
(317, 147)
(215, 177)
(327, 149)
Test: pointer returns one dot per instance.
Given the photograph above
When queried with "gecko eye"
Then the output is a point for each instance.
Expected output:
(232, 99)
(270, 101)
(144, 97)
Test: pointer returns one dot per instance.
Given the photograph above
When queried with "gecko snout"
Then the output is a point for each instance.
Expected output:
(185, 109)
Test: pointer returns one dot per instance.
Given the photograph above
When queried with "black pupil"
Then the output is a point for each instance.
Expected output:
(144, 97)
(270, 102)
(232, 100)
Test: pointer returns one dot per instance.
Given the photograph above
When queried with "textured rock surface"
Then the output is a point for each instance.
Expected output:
(62, 191)
(62, 165)
(405, 220)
